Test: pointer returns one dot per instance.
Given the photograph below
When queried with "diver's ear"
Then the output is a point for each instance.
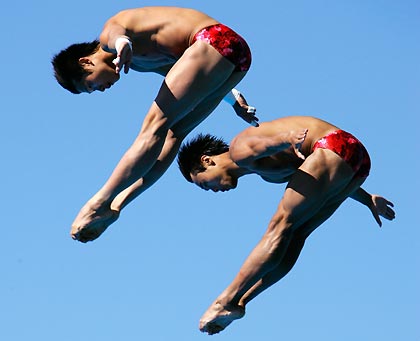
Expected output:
(85, 61)
(207, 161)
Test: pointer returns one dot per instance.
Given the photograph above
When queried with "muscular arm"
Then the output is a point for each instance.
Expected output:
(112, 30)
(248, 147)
(362, 196)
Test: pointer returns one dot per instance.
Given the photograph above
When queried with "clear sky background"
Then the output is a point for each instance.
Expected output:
(155, 271)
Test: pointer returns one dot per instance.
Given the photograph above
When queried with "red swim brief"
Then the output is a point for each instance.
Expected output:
(349, 148)
(228, 43)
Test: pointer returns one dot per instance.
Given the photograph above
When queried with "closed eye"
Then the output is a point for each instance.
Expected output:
(89, 87)
(203, 185)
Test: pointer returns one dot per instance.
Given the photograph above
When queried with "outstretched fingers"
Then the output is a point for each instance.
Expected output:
(384, 207)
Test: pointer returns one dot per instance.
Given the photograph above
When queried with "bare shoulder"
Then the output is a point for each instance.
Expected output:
(240, 138)
(168, 20)
(127, 15)
(148, 12)
(238, 147)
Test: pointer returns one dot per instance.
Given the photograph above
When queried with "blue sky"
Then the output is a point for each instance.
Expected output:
(174, 249)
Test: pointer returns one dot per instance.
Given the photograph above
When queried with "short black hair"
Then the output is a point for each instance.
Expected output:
(189, 155)
(67, 69)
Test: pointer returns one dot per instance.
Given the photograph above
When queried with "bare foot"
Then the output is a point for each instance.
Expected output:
(218, 317)
(90, 223)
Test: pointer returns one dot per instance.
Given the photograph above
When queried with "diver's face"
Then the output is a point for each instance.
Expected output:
(215, 179)
(100, 76)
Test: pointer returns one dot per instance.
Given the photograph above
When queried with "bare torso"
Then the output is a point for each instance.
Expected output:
(279, 167)
(160, 35)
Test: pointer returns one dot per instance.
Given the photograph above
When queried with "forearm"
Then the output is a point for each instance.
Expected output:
(246, 148)
(232, 97)
(362, 196)
(268, 145)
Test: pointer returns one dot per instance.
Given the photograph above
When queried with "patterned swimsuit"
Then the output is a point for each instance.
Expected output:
(228, 43)
(349, 148)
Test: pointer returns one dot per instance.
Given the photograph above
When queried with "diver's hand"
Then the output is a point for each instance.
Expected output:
(245, 111)
(296, 140)
(124, 49)
(381, 207)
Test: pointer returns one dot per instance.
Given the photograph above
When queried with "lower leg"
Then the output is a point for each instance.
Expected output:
(140, 157)
(265, 257)
(293, 251)
(287, 263)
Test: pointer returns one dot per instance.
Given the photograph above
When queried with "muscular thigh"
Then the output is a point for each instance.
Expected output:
(196, 75)
(319, 182)
(328, 209)
(206, 106)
